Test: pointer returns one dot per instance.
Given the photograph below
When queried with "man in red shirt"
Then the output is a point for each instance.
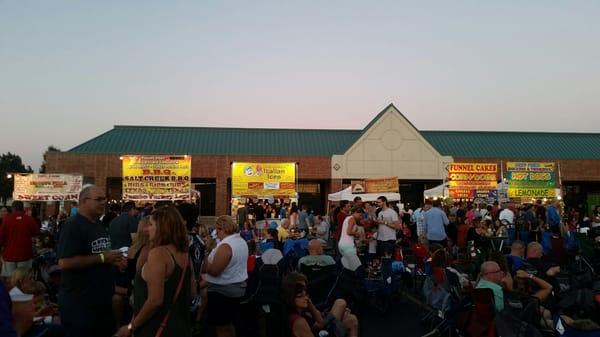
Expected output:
(16, 235)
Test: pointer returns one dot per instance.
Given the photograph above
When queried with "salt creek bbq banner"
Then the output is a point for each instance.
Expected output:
(531, 180)
(472, 180)
(47, 187)
(263, 179)
(156, 178)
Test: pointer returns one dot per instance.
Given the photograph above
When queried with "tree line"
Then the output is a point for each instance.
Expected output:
(11, 163)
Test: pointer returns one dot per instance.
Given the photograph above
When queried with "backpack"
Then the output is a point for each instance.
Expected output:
(436, 296)
(580, 275)
(510, 325)
(579, 304)
(197, 251)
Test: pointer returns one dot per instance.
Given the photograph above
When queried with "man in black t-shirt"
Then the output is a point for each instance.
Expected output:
(123, 228)
(87, 269)
(242, 215)
(259, 211)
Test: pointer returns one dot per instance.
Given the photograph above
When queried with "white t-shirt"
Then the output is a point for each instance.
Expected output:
(507, 215)
(384, 232)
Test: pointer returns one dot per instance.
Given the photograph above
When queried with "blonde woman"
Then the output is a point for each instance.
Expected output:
(138, 252)
(226, 274)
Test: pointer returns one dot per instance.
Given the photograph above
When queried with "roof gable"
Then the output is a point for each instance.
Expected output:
(390, 146)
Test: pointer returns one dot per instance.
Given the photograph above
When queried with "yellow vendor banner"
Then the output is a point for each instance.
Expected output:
(263, 179)
(472, 175)
(533, 193)
(154, 178)
(531, 180)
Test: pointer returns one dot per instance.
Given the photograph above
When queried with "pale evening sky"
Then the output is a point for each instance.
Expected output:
(71, 70)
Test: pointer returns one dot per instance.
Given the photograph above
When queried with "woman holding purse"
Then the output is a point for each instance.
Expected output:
(163, 287)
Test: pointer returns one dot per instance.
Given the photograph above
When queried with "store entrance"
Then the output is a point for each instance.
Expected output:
(207, 193)
(411, 191)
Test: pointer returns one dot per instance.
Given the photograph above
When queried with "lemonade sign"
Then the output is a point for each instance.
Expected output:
(531, 180)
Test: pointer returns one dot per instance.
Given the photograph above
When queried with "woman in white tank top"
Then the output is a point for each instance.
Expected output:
(226, 273)
(346, 244)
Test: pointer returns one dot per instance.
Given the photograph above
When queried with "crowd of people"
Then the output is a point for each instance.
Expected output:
(154, 270)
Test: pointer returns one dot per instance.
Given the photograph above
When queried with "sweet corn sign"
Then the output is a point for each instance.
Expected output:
(47, 187)
(156, 178)
(263, 179)
(531, 180)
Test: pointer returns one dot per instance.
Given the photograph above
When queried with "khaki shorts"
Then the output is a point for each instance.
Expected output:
(9, 267)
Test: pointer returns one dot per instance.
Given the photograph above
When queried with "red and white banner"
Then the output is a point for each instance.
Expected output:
(47, 187)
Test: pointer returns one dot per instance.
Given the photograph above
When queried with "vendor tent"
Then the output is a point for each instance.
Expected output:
(440, 191)
(346, 194)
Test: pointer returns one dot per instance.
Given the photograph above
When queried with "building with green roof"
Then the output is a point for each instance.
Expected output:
(389, 146)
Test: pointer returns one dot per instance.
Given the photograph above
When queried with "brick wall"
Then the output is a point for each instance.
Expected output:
(101, 166)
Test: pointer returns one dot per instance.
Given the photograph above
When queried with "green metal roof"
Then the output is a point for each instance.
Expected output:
(285, 142)
(219, 141)
(515, 145)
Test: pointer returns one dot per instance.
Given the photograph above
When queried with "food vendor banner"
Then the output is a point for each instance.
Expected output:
(375, 185)
(471, 180)
(263, 179)
(531, 180)
(156, 178)
(47, 187)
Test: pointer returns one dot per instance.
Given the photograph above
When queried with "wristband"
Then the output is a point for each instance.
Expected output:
(102, 257)
(531, 276)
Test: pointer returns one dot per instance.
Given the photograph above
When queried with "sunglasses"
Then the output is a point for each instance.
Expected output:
(301, 291)
(99, 199)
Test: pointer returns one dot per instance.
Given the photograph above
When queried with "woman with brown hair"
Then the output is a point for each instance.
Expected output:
(163, 285)
(305, 320)
(136, 257)
(138, 252)
(226, 274)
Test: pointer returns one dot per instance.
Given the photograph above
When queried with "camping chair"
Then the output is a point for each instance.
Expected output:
(267, 297)
(321, 282)
(480, 320)
(586, 246)
(557, 254)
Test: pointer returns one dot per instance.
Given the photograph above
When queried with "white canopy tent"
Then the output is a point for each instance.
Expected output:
(440, 191)
(346, 194)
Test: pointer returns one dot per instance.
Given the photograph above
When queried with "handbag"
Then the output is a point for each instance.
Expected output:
(163, 324)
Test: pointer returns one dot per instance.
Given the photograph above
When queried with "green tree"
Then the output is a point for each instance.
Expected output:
(9, 164)
(50, 148)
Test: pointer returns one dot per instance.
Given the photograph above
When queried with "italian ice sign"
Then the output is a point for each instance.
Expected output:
(263, 179)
